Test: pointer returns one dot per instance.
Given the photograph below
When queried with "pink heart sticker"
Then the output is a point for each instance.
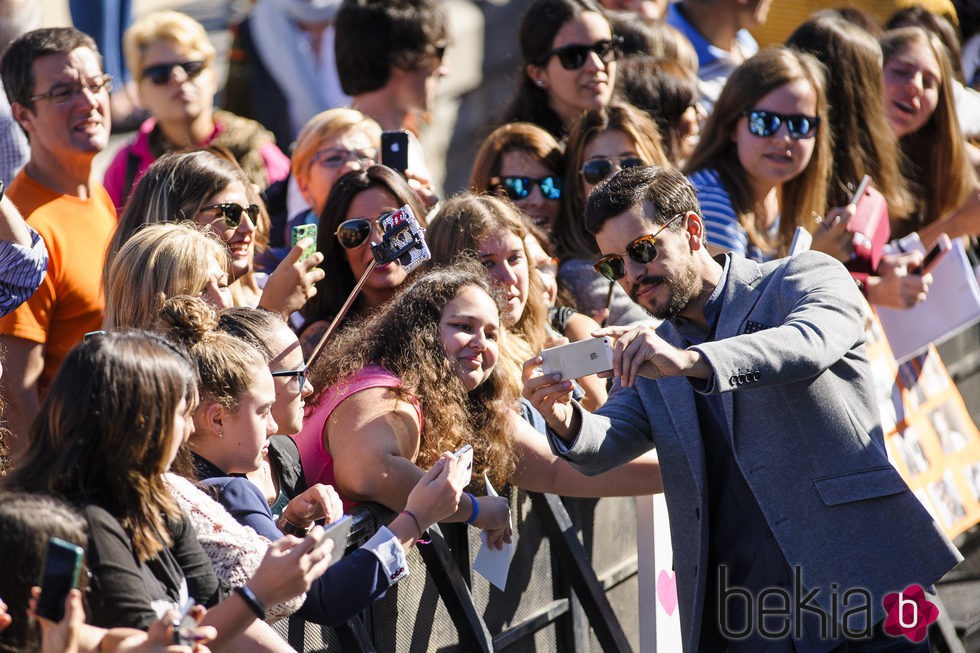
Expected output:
(667, 591)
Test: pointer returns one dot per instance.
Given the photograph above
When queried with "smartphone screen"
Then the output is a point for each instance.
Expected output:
(62, 567)
(394, 150)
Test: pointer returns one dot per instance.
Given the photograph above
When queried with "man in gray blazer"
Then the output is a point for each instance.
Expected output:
(790, 529)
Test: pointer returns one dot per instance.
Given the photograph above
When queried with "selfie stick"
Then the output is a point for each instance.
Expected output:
(402, 241)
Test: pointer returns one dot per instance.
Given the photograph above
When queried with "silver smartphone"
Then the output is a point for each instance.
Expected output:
(336, 532)
(465, 455)
(578, 359)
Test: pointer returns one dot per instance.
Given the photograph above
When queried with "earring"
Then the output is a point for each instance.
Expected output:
(221, 434)
(539, 82)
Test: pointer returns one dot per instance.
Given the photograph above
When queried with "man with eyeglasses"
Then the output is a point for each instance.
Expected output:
(59, 96)
(758, 396)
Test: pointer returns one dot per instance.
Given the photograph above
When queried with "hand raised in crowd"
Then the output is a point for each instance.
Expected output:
(423, 187)
(549, 395)
(317, 502)
(290, 566)
(494, 518)
(293, 281)
(831, 236)
(436, 495)
(897, 285)
(639, 351)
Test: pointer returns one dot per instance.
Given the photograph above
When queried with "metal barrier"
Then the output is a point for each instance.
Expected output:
(572, 586)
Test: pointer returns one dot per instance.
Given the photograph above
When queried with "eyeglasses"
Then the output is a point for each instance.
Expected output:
(161, 73)
(232, 213)
(766, 123)
(299, 375)
(352, 233)
(518, 188)
(334, 157)
(595, 170)
(65, 93)
(642, 250)
(573, 57)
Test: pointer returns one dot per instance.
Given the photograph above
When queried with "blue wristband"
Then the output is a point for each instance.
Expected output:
(476, 508)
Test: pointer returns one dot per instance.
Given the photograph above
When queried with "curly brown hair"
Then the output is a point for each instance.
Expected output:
(403, 338)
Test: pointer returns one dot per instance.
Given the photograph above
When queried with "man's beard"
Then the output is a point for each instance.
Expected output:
(683, 287)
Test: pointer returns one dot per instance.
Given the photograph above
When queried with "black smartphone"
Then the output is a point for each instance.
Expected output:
(935, 255)
(394, 150)
(62, 568)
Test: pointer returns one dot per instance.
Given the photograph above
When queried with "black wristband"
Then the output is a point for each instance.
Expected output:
(252, 601)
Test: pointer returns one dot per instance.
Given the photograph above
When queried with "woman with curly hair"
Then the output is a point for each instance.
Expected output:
(420, 377)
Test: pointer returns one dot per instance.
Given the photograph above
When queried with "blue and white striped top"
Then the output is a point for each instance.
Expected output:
(21, 271)
(721, 223)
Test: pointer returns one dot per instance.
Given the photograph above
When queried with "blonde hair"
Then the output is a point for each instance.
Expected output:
(164, 26)
(802, 195)
(326, 125)
(157, 262)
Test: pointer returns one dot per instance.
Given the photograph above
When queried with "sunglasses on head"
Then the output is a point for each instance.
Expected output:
(766, 123)
(595, 170)
(352, 233)
(518, 188)
(161, 73)
(232, 213)
(573, 57)
(642, 251)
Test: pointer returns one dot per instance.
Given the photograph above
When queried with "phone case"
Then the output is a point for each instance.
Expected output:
(300, 232)
(62, 568)
(402, 240)
(394, 150)
(578, 359)
(465, 456)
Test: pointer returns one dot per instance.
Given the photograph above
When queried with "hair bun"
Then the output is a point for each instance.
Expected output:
(188, 319)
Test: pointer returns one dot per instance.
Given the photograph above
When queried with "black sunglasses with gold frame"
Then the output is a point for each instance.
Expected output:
(642, 250)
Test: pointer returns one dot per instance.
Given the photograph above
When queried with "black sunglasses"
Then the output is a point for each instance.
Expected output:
(232, 213)
(352, 233)
(161, 73)
(518, 188)
(595, 170)
(299, 374)
(573, 57)
(642, 250)
(766, 123)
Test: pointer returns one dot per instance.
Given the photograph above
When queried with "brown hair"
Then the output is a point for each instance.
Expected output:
(514, 137)
(807, 192)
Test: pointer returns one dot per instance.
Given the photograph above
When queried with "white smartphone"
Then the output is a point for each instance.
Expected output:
(336, 532)
(578, 359)
(465, 455)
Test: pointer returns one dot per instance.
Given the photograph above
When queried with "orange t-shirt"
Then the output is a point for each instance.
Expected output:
(70, 301)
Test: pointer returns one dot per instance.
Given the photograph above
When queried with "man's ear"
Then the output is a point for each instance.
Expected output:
(23, 116)
(694, 226)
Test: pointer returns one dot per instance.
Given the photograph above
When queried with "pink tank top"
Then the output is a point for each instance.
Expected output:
(317, 461)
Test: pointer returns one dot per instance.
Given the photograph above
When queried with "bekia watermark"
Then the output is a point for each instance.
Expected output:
(779, 612)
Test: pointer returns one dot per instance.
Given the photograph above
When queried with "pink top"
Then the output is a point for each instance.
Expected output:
(317, 461)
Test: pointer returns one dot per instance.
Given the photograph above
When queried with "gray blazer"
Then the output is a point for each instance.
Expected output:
(789, 358)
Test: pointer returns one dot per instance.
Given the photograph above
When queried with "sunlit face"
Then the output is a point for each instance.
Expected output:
(77, 125)
(503, 257)
(468, 329)
(773, 160)
(570, 92)
(287, 411)
(240, 239)
(216, 290)
(370, 205)
(539, 208)
(247, 427)
(614, 145)
(183, 97)
(546, 267)
(318, 179)
(667, 286)
(913, 79)
(183, 429)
